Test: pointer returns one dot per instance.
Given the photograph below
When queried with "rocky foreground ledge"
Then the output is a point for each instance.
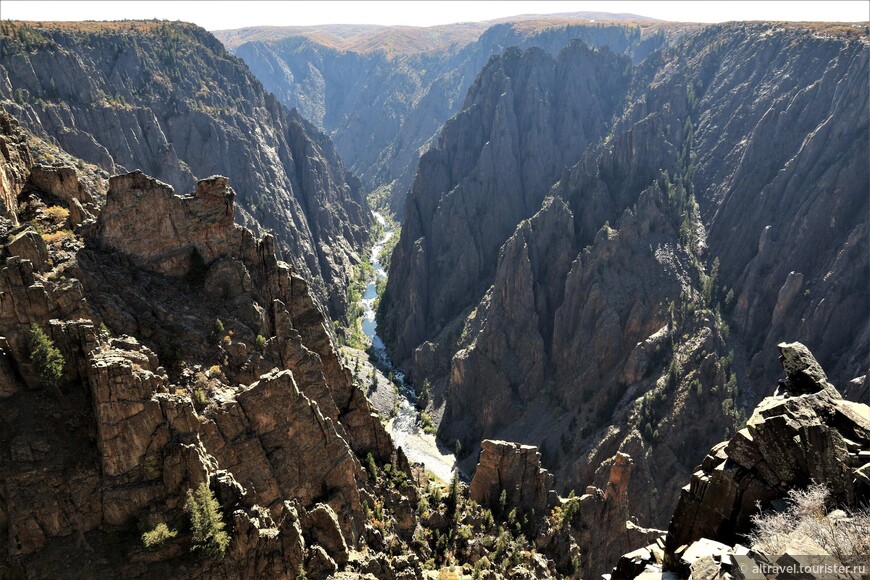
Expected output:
(804, 434)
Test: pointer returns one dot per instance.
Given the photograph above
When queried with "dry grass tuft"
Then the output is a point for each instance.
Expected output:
(843, 535)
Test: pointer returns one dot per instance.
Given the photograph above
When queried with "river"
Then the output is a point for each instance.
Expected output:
(418, 446)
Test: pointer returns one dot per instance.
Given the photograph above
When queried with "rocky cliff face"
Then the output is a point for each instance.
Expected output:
(169, 100)
(804, 434)
(384, 99)
(515, 471)
(800, 253)
(518, 131)
(127, 429)
(16, 163)
(628, 296)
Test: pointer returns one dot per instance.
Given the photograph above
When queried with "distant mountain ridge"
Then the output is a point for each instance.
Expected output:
(374, 37)
(382, 93)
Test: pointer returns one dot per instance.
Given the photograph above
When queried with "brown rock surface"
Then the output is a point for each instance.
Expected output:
(132, 434)
(239, 270)
(516, 470)
(279, 445)
(60, 182)
(321, 527)
(156, 238)
(605, 524)
(27, 244)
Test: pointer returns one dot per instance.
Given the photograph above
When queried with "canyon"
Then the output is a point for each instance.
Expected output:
(644, 256)
(382, 93)
(542, 297)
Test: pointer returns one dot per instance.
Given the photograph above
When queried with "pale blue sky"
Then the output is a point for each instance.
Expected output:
(215, 15)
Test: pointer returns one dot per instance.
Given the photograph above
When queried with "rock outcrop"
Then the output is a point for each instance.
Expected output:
(194, 238)
(606, 525)
(127, 430)
(173, 103)
(16, 162)
(515, 471)
(791, 441)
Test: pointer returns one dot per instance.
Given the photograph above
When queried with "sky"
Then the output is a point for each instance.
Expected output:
(217, 15)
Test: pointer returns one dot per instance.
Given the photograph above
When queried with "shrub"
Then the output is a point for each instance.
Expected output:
(426, 423)
(57, 213)
(454, 495)
(488, 519)
(261, 341)
(200, 397)
(502, 504)
(57, 236)
(570, 511)
(206, 522)
(45, 356)
(425, 391)
(217, 331)
(158, 535)
(806, 514)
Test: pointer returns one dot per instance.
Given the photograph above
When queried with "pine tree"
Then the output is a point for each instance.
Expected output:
(46, 358)
(206, 522)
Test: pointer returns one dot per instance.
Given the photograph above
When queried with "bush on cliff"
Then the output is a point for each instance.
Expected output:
(45, 356)
(160, 534)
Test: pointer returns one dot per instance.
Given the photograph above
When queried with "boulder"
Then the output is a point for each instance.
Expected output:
(318, 564)
(320, 526)
(28, 245)
(803, 373)
(144, 219)
(61, 182)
